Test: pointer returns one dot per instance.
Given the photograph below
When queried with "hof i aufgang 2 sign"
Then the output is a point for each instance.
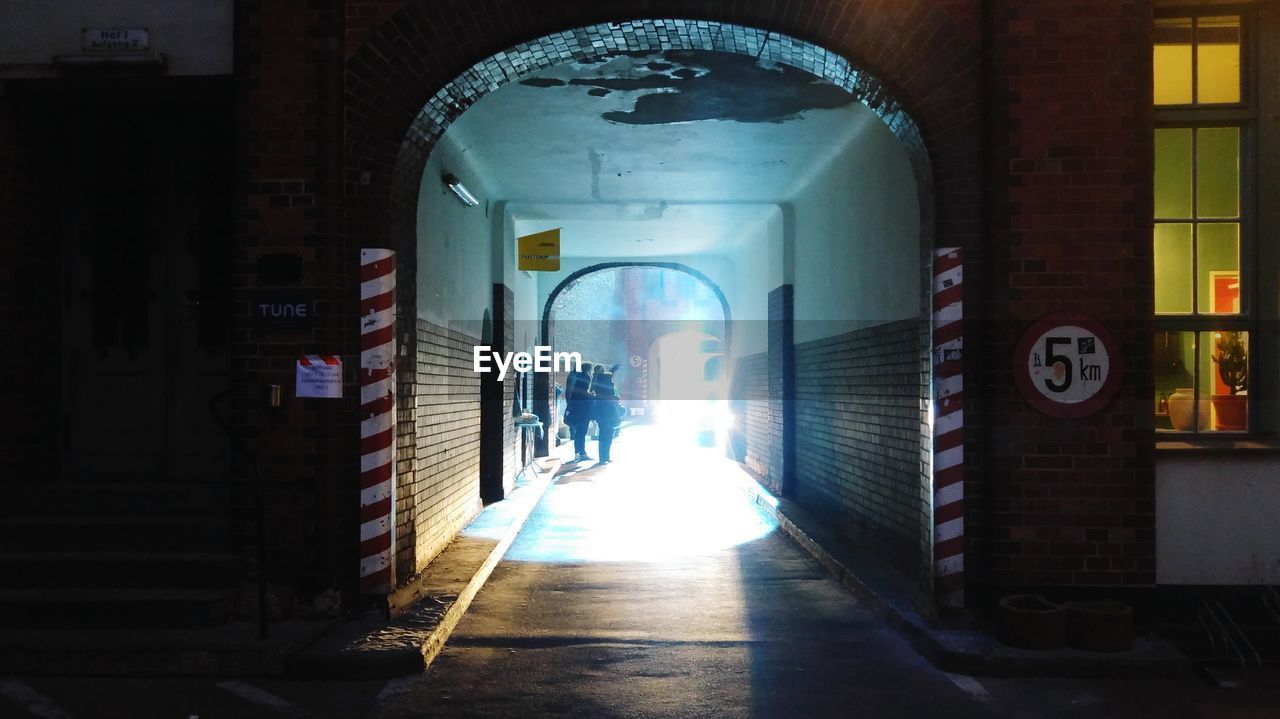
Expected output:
(114, 39)
(1067, 365)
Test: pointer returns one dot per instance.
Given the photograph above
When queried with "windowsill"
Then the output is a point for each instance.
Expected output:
(1216, 445)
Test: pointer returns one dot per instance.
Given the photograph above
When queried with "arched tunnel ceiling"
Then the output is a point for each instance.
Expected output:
(654, 153)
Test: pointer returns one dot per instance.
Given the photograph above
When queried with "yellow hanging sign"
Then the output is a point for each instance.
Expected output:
(540, 252)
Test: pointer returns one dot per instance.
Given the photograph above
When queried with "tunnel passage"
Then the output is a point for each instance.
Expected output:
(805, 208)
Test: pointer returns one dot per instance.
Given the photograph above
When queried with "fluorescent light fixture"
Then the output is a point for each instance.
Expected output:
(460, 190)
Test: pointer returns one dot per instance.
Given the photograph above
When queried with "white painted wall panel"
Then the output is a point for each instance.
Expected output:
(855, 235)
(1218, 519)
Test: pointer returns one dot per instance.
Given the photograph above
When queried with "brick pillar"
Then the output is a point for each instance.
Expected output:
(512, 459)
(496, 430)
(1067, 502)
(543, 397)
(782, 388)
(289, 74)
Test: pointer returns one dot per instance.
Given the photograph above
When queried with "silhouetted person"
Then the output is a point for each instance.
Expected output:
(593, 429)
(577, 411)
(606, 411)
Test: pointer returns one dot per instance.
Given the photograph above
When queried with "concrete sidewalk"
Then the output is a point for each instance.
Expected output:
(373, 647)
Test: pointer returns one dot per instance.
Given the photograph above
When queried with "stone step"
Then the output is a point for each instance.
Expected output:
(119, 570)
(90, 607)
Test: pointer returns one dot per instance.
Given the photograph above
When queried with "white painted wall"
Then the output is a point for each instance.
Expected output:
(756, 267)
(746, 269)
(456, 245)
(855, 234)
(195, 35)
(1218, 519)
(524, 286)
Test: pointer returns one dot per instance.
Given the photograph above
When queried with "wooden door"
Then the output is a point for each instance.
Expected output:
(144, 247)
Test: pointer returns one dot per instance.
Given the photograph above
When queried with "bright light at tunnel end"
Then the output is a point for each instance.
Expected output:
(708, 420)
(663, 499)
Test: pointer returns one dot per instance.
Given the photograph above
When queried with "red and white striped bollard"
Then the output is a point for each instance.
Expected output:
(377, 420)
(948, 427)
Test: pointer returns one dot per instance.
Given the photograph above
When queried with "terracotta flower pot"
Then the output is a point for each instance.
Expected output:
(1231, 410)
(1100, 626)
(1029, 621)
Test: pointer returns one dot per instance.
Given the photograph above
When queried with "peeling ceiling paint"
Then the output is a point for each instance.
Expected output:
(688, 86)
(655, 153)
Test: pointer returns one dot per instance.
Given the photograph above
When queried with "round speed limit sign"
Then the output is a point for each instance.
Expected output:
(1067, 365)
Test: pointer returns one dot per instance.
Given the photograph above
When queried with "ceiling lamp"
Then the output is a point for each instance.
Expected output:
(464, 195)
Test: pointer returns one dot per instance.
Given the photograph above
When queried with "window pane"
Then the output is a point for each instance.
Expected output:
(1175, 361)
(1218, 59)
(1173, 268)
(1218, 264)
(1224, 368)
(1171, 61)
(1218, 172)
(1173, 173)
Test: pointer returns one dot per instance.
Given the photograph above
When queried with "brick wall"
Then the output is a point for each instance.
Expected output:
(966, 13)
(858, 439)
(443, 493)
(289, 199)
(1068, 180)
(755, 431)
(765, 402)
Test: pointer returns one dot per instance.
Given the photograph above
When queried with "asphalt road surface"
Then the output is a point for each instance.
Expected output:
(651, 587)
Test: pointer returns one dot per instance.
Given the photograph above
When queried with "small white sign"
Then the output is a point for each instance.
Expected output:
(1068, 364)
(319, 376)
(115, 39)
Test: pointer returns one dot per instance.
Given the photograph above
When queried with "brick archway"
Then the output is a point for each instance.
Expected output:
(542, 386)
(425, 64)
(427, 61)
(548, 310)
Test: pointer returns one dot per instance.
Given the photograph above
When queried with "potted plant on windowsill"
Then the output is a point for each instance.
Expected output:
(1232, 359)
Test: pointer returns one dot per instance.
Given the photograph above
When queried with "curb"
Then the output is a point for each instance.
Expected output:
(969, 651)
(436, 640)
(420, 633)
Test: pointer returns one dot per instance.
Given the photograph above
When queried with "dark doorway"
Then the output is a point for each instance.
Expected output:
(146, 252)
